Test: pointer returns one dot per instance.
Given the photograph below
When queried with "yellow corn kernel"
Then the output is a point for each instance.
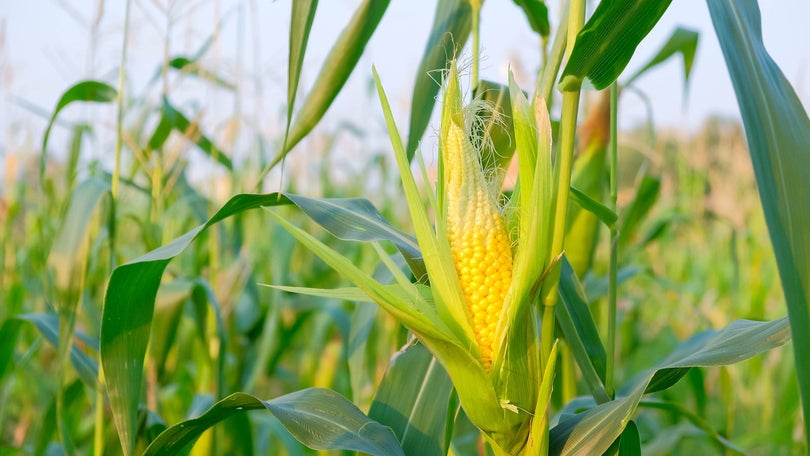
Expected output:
(479, 242)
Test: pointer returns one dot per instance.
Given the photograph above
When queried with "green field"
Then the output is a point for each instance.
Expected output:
(544, 282)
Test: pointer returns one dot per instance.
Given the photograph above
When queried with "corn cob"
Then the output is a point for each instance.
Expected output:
(478, 239)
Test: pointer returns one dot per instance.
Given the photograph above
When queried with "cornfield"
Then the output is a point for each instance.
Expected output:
(505, 272)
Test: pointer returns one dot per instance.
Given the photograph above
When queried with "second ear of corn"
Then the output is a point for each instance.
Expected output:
(479, 242)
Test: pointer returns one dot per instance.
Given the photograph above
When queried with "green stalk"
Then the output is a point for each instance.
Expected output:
(614, 243)
(562, 178)
(120, 117)
(476, 47)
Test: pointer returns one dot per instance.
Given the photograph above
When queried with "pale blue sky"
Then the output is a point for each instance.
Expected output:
(48, 46)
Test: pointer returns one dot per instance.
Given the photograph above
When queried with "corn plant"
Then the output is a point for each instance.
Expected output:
(499, 329)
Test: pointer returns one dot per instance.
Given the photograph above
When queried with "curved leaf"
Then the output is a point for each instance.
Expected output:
(596, 430)
(608, 40)
(602, 212)
(536, 12)
(319, 418)
(90, 91)
(683, 41)
(356, 219)
(778, 132)
(130, 300)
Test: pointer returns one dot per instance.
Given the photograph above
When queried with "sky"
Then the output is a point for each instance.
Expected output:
(47, 45)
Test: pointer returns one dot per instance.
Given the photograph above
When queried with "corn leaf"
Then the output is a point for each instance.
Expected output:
(66, 254)
(128, 312)
(319, 418)
(303, 13)
(536, 13)
(630, 441)
(778, 132)
(186, 65)
(412, 400)
(416, 314)
(88, 91)
(608, 40)
(580, 332)
(172, 119)
(595, 431)
(602, 212)
(48, 326)
(438, 260)
(337, 68)
(538, 435)
(356, 219)
(682, 41)
(448, 34)
(635, 212)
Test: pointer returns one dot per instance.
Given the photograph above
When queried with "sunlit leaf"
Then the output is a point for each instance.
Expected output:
(608, 40)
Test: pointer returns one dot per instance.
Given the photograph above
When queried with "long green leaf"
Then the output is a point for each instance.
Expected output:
(451, 27)
(90, 91)
(127, 317)
(319, 418)
(778, 132)
(682, 41)
(356, 219)
(579, 329)
(337, 68)
(608, 40)
(131, 292)
(412, 399)
(596, 430)
(303, 13)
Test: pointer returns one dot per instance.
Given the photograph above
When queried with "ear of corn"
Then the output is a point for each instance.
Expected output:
(480, 276)
(478, 239)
